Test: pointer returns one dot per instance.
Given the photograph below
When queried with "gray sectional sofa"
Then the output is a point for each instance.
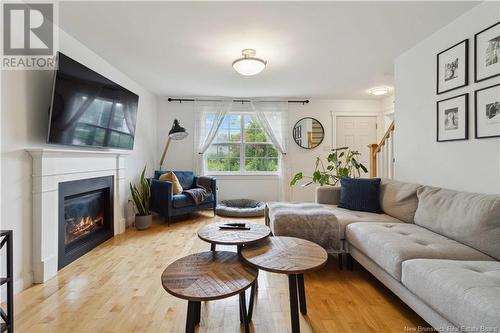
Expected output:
(436, 249)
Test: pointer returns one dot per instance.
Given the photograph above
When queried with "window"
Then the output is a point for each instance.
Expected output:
(102, 123)
(241, 146)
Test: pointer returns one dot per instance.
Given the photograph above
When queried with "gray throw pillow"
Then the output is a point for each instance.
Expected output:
(399, 199)
(470, 218)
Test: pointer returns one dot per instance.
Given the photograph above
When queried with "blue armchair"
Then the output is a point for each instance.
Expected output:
(166, 204)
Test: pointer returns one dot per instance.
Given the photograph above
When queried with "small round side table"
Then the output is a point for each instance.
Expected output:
(291, 256)
(212, 234)
(208, 276)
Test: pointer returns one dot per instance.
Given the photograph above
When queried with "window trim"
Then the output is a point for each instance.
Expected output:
(242, 143)
(108, 130)
(245, 173)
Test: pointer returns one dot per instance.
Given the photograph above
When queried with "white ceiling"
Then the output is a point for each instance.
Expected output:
(314, 50)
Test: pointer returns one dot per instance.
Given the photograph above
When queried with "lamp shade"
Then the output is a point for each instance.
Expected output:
(249, 65)
(177, 132)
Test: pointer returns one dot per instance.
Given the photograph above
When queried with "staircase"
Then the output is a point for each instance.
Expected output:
(315, 136)
(382, 155)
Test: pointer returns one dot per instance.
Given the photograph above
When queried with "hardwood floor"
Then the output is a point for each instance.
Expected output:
(117, 288)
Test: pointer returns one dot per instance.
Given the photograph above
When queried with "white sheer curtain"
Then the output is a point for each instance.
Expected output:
(273, 117)
(208, 118)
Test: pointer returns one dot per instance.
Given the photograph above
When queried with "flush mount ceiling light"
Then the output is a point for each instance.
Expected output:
(379, 91)
(249, 65)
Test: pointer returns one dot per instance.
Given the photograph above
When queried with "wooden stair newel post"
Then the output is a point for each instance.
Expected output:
(373, 159)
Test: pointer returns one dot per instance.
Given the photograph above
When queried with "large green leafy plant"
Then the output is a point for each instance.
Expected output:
(341, 162)
(141, 194)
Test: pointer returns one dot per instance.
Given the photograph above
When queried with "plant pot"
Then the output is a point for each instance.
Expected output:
(143, 221)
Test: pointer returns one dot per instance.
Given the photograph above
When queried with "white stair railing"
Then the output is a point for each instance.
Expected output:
(382, 155)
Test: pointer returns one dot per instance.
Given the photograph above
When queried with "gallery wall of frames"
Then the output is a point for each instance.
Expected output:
(452, 113)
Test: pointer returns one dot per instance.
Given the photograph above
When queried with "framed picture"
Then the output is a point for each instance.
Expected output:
(452, 67)
(487, 112)
(453, 118)
(487, 53)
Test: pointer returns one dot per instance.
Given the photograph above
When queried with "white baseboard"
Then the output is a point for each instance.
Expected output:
(20, 284)
(23, 283)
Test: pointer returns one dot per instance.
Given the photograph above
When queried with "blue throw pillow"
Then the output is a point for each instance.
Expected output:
(361, 194)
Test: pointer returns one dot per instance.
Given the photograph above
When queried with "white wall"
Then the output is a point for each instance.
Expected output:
(472, 165)
(24, 118)
(324, 111)
(387, 106)
(180, 154)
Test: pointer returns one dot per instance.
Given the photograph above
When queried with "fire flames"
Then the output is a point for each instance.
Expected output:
(87, 224)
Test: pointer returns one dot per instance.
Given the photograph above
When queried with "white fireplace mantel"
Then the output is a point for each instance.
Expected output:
(53, 166)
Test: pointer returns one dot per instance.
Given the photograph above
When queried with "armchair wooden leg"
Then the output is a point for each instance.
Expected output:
(168, 220)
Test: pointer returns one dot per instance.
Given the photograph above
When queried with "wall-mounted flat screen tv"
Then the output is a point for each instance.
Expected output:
(90, 110)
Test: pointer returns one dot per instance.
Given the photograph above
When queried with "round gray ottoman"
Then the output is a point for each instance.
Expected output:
(241, 208)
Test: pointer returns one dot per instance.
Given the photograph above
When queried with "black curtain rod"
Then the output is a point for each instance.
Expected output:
(180, 100)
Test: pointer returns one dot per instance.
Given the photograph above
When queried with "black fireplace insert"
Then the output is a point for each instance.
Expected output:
(85, 216)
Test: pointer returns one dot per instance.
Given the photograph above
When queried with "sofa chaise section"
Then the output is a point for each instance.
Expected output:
(465, 292)
(390, 244)
(346, 217)
(448, 256)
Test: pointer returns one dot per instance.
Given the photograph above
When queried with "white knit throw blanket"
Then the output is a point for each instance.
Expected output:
(309, 221)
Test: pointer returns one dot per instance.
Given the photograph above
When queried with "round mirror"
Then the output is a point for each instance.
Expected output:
(308, 133)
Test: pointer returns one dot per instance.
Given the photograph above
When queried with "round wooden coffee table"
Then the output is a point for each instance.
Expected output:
(212, 234)
(291, 256)
(208, 276)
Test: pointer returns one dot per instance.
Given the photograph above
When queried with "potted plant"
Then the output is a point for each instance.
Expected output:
(140, 197)
(341, 162)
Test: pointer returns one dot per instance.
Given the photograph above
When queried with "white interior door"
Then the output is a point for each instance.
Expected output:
(357, 132)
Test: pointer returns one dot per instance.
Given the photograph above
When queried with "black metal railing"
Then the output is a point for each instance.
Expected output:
(7, 323)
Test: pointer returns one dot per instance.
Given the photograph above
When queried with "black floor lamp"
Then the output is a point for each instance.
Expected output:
(176, 133)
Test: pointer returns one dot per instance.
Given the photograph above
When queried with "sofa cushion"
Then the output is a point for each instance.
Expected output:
(346, 217)
(389, 244)
(465, 292)
(184, 200)
(327, 195)
(360, 194)
(186, 178)
(399, 199)
(470, 218)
